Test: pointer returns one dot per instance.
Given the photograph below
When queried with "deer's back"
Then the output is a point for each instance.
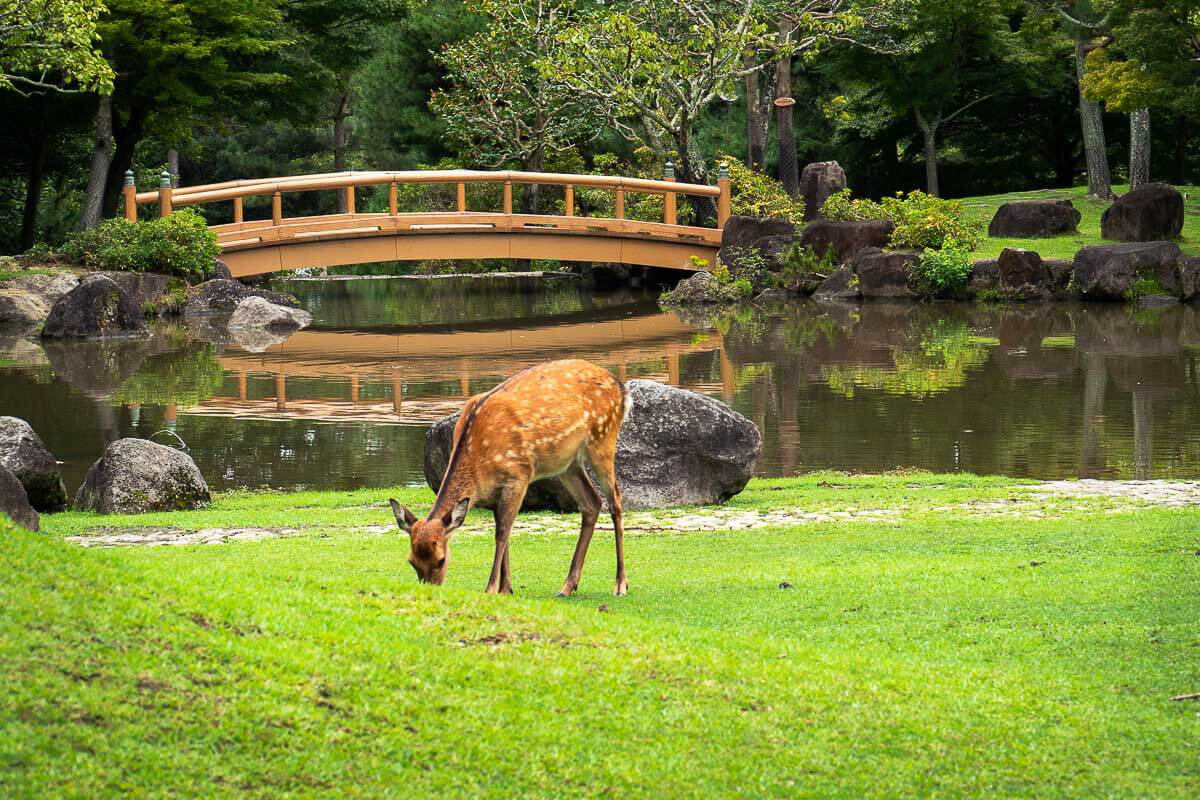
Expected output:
(536, 421)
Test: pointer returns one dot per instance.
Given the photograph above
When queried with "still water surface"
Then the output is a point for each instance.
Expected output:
(1031, 391)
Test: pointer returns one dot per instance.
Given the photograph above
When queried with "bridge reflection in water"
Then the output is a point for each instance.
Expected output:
(410, 377)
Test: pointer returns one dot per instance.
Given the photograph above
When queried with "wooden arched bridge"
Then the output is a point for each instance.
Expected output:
(252, 247)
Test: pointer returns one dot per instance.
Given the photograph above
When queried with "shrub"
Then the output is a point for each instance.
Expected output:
(922, 220)
(754, 194)
(925, 221)
(180, 244)
(747, 264)
(944, 272)
(840, 206)
(802, 269)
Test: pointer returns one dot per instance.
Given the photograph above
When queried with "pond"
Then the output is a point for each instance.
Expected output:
(1041, 391)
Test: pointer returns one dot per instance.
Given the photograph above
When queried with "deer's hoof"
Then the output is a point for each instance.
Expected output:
(622, 588)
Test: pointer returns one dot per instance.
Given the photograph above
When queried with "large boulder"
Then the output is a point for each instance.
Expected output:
(846, 239)
(819, 181)
(699, 289)
(221, 296)
(1034, 219)
(841, 285)
(136, 475)
(24, 454)
(1023, 275)
(1149, 213)
(676, 448)
(48, 287)
(985, 277)
(765, 238)
(21, 309)
(259, 313)
(1109, 272)
(96, 307)
(145, 289)
(886, 274)
(14, 503)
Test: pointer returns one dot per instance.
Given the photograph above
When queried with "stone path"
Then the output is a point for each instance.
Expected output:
(1040, 501)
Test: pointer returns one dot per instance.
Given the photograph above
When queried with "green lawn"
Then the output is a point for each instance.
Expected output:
(1065, 247)
(949, 651)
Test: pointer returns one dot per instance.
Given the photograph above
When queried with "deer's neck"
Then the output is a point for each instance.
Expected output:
(458, 483)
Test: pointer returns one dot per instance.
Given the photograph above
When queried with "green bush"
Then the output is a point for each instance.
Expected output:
(747, 264)
(840, 206)
(922, 220)
(180, 244)
(944, 272)
(753, 194)
(803, 270)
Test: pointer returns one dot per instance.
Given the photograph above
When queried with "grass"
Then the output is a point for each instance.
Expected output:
(7, 275)
(982, 209)
(945, 655)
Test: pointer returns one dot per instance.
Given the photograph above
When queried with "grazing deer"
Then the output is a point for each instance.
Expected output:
(543, 422)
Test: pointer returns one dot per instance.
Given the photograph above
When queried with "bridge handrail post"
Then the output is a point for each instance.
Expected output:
(238, 210)
(460, 196)
(276, 208)
(508, 198)
(723, 199)
(669, 216)
(350, 199)
(619, 202)
(393, 199)
(130, 191)
(164, 194)
(569, 200)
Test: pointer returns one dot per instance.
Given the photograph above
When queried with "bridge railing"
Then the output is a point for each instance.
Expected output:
(168, 198)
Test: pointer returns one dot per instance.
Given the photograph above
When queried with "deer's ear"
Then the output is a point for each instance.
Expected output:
(404, 517)
(455, 516)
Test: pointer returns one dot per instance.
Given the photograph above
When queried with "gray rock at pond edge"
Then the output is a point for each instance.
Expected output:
(1189, 279)
(676, 448)
(221, 296)
(1023, 275)
(1034, 219)
(1108, 272)
(21, 309)
(1060, 277)
(96, 307)
(699, 289)
(24, 454)
(841, 285)
(985, 277)
(136, 475)
(772, 296)
(48, 287)
(143, 288)
(886, 274)
(818, 182)
(259, 313)
(767, 237)
(1149, 213)
(14, 503)
(221, 270)
(847, 239)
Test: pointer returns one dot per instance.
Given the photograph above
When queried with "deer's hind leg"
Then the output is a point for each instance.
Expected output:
(602, 454)
(577, 482)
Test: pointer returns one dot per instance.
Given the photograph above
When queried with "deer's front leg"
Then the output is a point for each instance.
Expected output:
(506, 513)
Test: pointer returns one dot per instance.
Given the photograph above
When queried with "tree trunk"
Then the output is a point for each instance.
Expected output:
(691, 170)
(173, 166)
(102, 154)
(1090, 118)
(126, 138)
(785, 132)
(339, 142)
(756, 146)
(1139, 147)
(531, 197)
(33, 191)
(929, 131)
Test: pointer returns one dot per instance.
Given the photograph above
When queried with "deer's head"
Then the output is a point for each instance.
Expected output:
(429, 539)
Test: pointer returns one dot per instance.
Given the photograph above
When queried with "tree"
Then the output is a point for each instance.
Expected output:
(652, 67)
(501, 107)
(956, 55)
(176, 61)
(49, 45)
